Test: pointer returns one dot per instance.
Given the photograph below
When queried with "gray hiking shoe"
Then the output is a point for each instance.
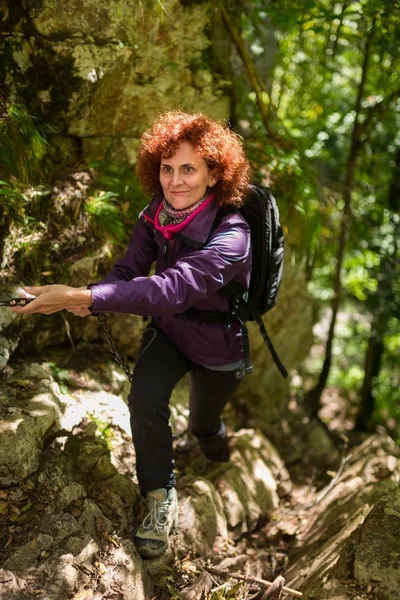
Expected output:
(151, 538)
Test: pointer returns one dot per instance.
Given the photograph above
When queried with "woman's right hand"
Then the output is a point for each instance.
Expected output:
(79, 311)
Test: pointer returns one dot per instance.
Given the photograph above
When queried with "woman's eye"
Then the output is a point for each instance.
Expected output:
(166, 168)
(189, 169)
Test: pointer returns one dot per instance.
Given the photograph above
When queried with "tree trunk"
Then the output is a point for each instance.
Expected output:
(373, 362)
(313, 397)
(386, 279)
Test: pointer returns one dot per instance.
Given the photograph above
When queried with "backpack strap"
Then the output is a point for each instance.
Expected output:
(257, 317)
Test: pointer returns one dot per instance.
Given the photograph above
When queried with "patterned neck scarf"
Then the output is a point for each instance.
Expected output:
(172, 216)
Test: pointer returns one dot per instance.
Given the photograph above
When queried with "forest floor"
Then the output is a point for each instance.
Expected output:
(264, 553)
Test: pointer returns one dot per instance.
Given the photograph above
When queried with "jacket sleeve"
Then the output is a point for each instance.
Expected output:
(192, 279)
(140, 255)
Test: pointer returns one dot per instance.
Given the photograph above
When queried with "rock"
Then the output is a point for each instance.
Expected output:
(93, 521)
(75, 545)
(11, 323)
(10, 584)
(91, 455)
(115, 78)
(376, 548)
(249, 488)
(58, 577)
(130, 572)
(71, 493)
(60, 525)
(26, 418)
(371, 472)
(26, 555)
(202, 522)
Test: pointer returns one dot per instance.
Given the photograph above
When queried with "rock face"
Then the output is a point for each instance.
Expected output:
(103, 78)
(29, 407)
(105, 75)
(343, 524)
(70, 498)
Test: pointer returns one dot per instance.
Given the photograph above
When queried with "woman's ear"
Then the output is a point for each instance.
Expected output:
(212, 179)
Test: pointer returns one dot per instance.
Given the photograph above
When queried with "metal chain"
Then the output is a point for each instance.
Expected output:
(111, 342)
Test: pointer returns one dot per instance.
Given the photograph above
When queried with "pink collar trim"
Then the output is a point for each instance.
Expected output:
(169, 231)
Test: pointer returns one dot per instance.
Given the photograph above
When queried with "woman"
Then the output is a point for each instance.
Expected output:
(191, 165)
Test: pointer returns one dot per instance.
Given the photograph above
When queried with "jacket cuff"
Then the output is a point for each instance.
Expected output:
(94, 314)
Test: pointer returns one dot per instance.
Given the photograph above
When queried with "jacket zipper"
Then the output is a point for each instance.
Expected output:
(169, 252)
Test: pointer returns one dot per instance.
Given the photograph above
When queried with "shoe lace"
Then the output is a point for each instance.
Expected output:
(157, 517)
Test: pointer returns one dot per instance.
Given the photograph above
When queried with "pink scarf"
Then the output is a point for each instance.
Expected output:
(169, 231)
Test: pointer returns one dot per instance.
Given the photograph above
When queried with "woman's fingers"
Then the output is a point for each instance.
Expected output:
(36, 290)
(49, 299)
(52, 298)
(79, 311)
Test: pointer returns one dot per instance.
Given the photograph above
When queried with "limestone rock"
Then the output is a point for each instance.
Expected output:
(71, 493)
(249, 488)
(202, 522)
(26, 555)
(53, 19)
(373, 553)
(61, 526)
(370, 472)
(93, 521)
(10, 584)
(27, 414)
(120, 66)
(11, 324)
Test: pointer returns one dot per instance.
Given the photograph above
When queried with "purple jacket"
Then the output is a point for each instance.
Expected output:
(184, 277)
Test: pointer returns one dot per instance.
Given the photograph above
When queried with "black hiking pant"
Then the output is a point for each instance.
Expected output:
(158, 369)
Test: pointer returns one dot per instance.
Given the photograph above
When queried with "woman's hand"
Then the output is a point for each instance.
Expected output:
(52, 298)
(79, 311)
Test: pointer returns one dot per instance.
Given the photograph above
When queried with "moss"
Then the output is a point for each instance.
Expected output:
(56, 74)
(39, 78)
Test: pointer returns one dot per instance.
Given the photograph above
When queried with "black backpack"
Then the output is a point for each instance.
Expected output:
(262, 215)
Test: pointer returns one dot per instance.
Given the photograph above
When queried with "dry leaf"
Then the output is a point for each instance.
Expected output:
(188, 566)
(100, 567)
(199, 588)
(111, 540)
(83, 595)
(99, 522)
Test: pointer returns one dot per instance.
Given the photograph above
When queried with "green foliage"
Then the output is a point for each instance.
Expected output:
(121, 180)
(104, 428)
(166, 582)
(106, 214)
(387, 385)
(60, 375)
(115, 201)
(22, 147)
(14, 200)
(320, 49)
(228, 590)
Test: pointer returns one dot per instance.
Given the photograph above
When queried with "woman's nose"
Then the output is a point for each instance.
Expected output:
(176, 178)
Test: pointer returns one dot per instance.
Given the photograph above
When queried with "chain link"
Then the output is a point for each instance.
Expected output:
(111, 342)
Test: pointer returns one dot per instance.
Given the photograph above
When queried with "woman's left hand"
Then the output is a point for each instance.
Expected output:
(52, 298)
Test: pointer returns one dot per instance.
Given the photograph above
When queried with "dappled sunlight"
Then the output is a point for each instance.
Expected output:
(10, 426)
(104, 406)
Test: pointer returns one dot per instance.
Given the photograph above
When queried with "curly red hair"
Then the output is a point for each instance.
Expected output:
(221, 148)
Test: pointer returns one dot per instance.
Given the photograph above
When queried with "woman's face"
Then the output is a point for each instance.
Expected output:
(184, 177)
